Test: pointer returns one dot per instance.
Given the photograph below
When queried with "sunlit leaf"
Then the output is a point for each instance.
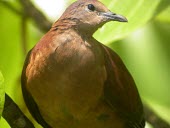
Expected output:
(138, 13)
(164, 16)
(2, 93)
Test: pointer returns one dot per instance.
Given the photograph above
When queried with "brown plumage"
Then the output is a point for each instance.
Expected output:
(70, 80)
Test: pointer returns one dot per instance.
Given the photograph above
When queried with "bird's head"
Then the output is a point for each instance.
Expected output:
(89, 15)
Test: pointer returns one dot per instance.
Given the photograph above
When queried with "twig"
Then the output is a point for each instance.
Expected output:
(36, 15)
(24, 34)
(14, 116)
(154, 119)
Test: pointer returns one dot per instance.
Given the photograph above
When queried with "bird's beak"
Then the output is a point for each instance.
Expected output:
(110, 16)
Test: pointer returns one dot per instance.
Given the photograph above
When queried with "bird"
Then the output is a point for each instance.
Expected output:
(71, 80)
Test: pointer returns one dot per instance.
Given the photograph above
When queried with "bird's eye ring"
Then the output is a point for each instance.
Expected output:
(91, 7)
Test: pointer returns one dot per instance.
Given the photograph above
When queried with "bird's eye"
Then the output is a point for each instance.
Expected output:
(91, 7)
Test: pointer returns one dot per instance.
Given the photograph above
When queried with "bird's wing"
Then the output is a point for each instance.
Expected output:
(32, 106)
(120, 91)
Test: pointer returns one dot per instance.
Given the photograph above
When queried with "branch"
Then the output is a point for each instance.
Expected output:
(32, 12)
(14, 116)
(36, 15)
(154, 119)
(10, 7)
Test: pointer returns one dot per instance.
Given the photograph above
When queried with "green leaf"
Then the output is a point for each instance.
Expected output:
(2, 93)
(138, 13)
(164, 16)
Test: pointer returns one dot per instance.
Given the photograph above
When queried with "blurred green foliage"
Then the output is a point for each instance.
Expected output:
(2, 93)
(146, 53)
(144, 46)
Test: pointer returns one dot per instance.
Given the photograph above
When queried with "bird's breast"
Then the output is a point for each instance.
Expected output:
(70, 83)
(80, 74)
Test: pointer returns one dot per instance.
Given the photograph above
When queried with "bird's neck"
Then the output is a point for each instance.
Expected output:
(75, 24)
(64, 24)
